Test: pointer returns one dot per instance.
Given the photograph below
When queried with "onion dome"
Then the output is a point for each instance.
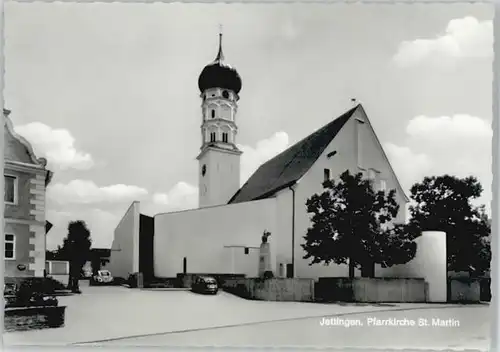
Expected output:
(219, 74)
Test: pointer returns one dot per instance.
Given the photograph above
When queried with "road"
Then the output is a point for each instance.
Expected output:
(116, 316)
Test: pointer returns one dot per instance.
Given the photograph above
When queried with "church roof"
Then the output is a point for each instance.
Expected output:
(288, 167)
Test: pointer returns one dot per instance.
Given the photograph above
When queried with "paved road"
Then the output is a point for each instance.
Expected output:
(472, 332)
(120, 316)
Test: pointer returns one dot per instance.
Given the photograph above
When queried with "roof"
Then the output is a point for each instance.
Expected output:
(288, 167)
(48, 226)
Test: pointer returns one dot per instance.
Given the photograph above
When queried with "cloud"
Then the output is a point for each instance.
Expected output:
(100, 223)
(410, 167)
(180, 197)
(185, 196)
(57, 145)
(264, 150)
(87, 192)
(458, 145)
(464, 38)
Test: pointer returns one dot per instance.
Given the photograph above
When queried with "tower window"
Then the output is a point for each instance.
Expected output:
(225, 94)
(326, 175)
(212, 136)
(383, 186)
(213, 113)
(224, 137)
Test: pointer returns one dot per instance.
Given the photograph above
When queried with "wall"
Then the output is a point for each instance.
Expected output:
(57, 267)
(371, 290)
(429, 263)
(345, 159)
(124, 258)
(22, 233)
(278, 289)
(222, 178)
(201, 234)
(464, 290)
(146, 246)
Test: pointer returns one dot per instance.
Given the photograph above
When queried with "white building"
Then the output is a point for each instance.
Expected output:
(222, 235)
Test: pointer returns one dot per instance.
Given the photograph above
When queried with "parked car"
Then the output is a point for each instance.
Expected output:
(103, 277)
(205, 284)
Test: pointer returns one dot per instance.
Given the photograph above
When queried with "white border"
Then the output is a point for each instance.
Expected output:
(16, 189)
(495, 144)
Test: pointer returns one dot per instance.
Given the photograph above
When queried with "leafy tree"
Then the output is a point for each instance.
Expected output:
(444, 203)
(352, 223)
(76, 246)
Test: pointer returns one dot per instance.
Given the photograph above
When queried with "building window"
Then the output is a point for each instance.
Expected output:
(10, 190)
(247, 250)
(213, 113)
(326, 175)
(224, 137)
(212, 136)
(10, 246)
(383, 186)
(359, 142)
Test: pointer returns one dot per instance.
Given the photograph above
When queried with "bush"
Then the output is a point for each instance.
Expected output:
(32, 293)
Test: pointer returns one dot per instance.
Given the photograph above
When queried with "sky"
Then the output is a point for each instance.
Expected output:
(108, 92)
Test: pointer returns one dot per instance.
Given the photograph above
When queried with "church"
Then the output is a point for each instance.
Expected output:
(223, 235)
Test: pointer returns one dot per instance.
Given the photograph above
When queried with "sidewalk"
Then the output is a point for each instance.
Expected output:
(114, 312)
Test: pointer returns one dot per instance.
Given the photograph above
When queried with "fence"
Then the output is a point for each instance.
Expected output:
(395, 290)
(57, 267)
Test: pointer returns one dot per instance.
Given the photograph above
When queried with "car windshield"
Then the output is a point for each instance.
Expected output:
(104, 273)
(209, 280)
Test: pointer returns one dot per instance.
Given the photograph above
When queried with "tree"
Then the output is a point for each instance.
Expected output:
(352, 223)
(444, 203)
(77, 248)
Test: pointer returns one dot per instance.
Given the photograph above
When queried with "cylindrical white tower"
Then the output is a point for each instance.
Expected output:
(219, 159)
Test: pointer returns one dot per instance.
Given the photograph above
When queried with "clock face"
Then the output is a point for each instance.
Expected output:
(203, 170)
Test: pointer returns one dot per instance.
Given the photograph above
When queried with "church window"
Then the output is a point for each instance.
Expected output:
(213, 113)
(224, 137)
(212, 136)
(383, 186)
(326, 175)
(359, 142)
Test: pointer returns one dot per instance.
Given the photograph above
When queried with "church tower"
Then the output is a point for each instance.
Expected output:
(219, 159)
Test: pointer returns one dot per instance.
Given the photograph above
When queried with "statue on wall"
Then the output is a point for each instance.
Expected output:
(265, 236)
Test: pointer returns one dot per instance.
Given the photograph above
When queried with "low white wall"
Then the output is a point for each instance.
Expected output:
(430, 263)
(201, 234)
(124, 258)
(57, 267)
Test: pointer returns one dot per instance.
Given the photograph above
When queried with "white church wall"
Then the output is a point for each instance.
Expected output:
(345, 158)
(124, 258)
(201, 234)
(283, 238)
(429, 263)
(221, 179)
(311, 183)
(372, 157)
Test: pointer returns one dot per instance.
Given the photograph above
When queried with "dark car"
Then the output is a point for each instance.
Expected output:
(205, 284)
